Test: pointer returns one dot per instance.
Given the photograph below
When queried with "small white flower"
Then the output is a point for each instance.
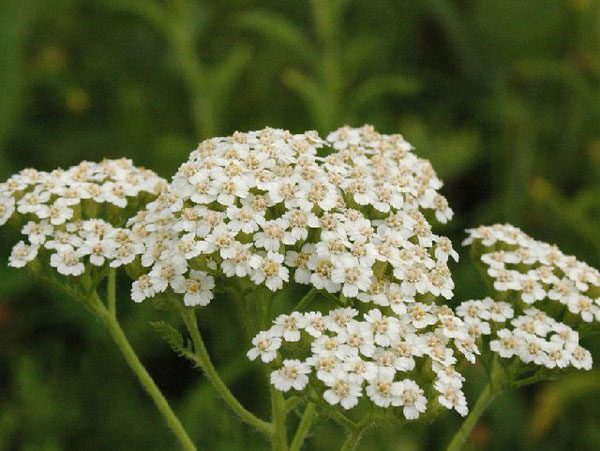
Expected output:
(197, 288)
(98, 249)
(360, 336)
(165, 274)
(293, 374)
(315, 324)
(342, 390)
(265, 346)
(499, 312)
(22, 254)
(451, 397)
(383, 328)
(271, 271)
(142, 288)
(37, 232)
(581, 358)
(351, 276)
(289, 326)
(299, 261)
(410, 397)
(7, 208)
(531, 290)
(557, 355)
(420, 315)
(67, 261)
(506, 345)
(382, 389)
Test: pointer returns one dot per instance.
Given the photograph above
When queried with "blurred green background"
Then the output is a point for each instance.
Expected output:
(502, 95)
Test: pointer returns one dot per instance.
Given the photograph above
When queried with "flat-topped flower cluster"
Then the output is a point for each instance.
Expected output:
(565, 292)
(533, 337)
(537, 271)
(343, 215)
(75, 216)
(398, 361)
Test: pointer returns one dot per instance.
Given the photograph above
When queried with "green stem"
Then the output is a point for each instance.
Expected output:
(306, 300)
(303, 427)
(146, 380)
(111, 292)
(108, 316)
(292, 402)
(189, 318)
(335, 414)
(279, 437)
(352, 439)
(461, 436)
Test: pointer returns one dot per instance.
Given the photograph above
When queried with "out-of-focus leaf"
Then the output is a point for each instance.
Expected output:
(147, 9)
(555, 398)
(376, 87)
(225, 76)
(278, 30)
(447, 16)
(309, 91)
(451, 153)
(546, 195)
(174, 339)
(15, 16)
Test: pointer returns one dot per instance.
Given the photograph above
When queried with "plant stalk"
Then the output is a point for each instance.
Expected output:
(304, 427)
(461, 436)
(146, 380)
(278, 412)
(352, 439)
(189, 318)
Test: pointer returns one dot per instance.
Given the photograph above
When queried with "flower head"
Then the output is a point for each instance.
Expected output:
(345, 216)
(59, 213)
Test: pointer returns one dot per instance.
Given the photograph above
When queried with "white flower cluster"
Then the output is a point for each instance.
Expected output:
(537, 271)
(533, 337)
(390, 355)
(563, 289)
(265, 206)
(57, 211)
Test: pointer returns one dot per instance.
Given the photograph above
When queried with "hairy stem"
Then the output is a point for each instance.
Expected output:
(111, 292)
(278, 412)
(352, 439)
(189, 319)
(306, 300)
(145, 379)
(461, 436)
(303, 427)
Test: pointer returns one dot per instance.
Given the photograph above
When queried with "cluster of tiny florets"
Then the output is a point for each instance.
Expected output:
(58, 211)
(565, 293)
(537, 271)
(533, 337)
(397, 361)
(342, 215)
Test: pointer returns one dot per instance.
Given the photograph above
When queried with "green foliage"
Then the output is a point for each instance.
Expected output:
(181, 347)
(503, 97)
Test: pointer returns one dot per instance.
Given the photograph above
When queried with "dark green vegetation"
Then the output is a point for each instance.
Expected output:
(502, 96)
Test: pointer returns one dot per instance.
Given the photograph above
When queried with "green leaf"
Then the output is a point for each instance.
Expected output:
(277, 29)
(377, 87)
(555, 398)
(147, 10)
(452, 153)
(225, 76)
(14, 23)
(311, 93)
(175, 340)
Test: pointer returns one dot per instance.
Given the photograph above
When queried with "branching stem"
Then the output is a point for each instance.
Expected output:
(461, 436)
(189, 319)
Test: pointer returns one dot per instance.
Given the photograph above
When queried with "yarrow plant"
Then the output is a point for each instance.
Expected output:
(325, 247)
